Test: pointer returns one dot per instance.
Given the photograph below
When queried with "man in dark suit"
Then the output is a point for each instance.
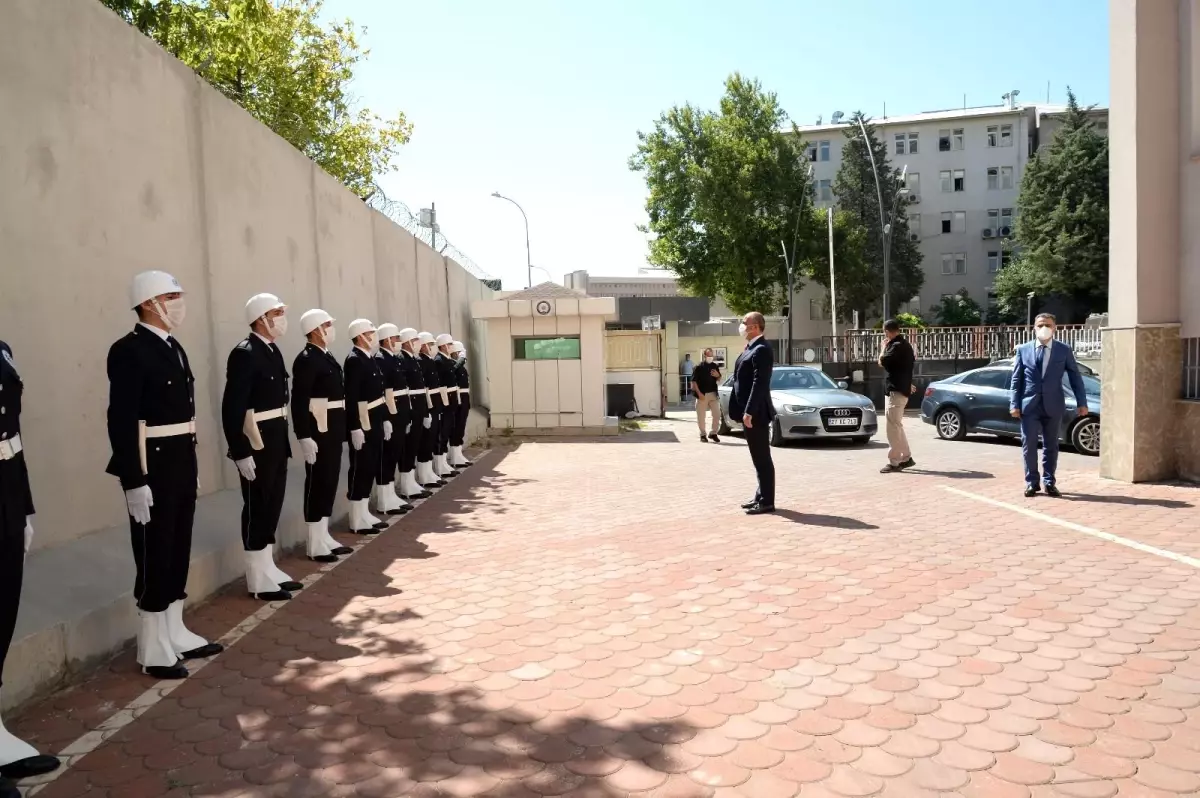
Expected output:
(1038, 400)
(751, 401)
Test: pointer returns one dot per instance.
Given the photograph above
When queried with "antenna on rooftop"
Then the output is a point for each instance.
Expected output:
(819, 118)
(837, 117)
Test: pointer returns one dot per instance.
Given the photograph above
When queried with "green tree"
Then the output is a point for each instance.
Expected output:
(277, 60)
(855, 277)
(958, 310)
(856, 193)
(1061, 233)
(725, 188)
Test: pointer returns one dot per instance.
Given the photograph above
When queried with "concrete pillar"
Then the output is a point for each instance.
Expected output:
(1141, 348)
(673, 358)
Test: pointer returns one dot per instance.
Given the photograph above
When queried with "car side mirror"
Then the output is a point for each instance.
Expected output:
(843, 384)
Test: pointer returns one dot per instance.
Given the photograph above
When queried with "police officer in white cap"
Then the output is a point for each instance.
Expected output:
(427, 475)
(254, 415)
(319, 418)
(449, 394)
(419, 422)
(395, 397)
(368, 424)
(18, 759)
(458, 436)
(152, 431)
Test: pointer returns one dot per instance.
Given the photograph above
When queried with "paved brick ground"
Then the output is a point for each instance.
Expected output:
(599, 619)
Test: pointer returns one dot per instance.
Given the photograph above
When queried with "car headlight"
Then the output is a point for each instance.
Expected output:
(867, 403)
(799, 410)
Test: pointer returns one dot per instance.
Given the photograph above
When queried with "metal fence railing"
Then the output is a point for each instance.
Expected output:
(943, 343)
(1191, 368)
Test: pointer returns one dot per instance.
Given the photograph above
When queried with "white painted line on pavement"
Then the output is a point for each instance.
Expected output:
(92, 740)
(1086, 530)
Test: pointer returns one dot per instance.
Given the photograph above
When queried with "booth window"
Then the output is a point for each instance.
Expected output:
(562, 347)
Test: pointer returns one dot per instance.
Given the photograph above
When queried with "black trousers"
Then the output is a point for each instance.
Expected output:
(412, 442)
(389, 452)
(365, 462)
(459, 433)
(428, 441)
(262, 499)
(13, 483)
(445, 429)
(321, 478)
(758, 440)
(162, 549)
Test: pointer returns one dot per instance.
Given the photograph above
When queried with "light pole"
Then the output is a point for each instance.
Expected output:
(885, 227)
(1029, 307)
(528, 259)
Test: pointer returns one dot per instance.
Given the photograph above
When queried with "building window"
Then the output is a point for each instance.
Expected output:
(958, 139)
(960, 180)
(993, 219)
(1006, 136)
(901, 139)
(824, 148)
(912, 143)
(993, 135)
(944, 140)
(993, 260)
(914, 225)
(993, 178)
(954, 263)
(960, 221)
(563, 347)
(946, 221)
(816, 310)
(947, 185)
(812, 152)
(1006, 217)
(1006, 177)
(825, 190)
(913, 180)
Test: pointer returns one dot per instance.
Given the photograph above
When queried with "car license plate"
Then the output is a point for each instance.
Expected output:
(843, 422)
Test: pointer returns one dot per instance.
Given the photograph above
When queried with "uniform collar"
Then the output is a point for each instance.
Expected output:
(262, 338)
(163, 334)
(360, 349)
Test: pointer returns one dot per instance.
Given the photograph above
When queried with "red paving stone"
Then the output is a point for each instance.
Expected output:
(598, 619)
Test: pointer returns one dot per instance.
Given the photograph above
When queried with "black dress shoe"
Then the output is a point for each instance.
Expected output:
(342, 551)
(1031, 491)
(274, 595)
(381, 525)
(1053, 492)
(331, 557)
(713, 437)
(291, 586)
(368, 531)
(8, 789)
(29, 767)
(703, 438)
(451, 475)
(761, 509)
(203, 652)
(401, 510)
(165, 671)
(749, 504)
(909, 463)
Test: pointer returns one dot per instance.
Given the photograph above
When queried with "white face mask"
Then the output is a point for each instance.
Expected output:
(329, 335)
(277, 326)
(742, 330)
(1044, 333)
(171, 311)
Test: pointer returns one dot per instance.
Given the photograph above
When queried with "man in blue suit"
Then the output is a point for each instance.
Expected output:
(751, 402)
(1037, 399)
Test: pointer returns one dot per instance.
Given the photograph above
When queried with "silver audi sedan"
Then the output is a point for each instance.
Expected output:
(810, 406)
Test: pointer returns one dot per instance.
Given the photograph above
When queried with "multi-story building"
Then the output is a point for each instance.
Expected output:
(647, 283)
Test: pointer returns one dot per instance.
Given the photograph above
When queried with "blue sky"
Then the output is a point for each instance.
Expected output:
(542, 100)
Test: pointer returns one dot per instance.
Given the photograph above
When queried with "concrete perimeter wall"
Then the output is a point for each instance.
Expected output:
(116, 158)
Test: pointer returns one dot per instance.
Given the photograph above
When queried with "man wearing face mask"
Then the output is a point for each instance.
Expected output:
(750, 401)
(152, 432)
(449, 396)
(427, 477)
(1038, 400)
(419, 420)
(319, 416)
(704, 387)
(368, 425)
(463, 379)
(254, 412)
(395, 397)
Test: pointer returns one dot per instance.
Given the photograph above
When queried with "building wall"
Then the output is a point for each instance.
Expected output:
(117, 158)
(1189, 164)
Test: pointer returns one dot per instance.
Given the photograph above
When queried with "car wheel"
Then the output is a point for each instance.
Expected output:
(1085, 436)
(776, 434)
(949, 425)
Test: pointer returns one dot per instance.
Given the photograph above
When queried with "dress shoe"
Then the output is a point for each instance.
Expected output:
(713, 437)
(889, 469)
(761, 509)
(203, 652)
(342, 551)
(29, 767)
(703, 438)
(368, 531)
(274, 595)
(291, 586)
(1053, 492)
(909, 463)
(1031, 491)
(749, 504)
(382, 525)
(401, 510)
(331, 557)
(165, 671)
(8, 789)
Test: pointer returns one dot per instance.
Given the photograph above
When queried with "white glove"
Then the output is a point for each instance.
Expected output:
(387, 430)
(139, 501)
(28, 532)
(246, 467)
(357, 438)
(309, 449)
(427, 422)
(408, 428)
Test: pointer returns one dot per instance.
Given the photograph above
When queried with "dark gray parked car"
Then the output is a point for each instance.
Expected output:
(810, 405)
(977, 401)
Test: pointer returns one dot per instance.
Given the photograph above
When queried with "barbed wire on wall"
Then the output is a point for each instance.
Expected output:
(402, 215)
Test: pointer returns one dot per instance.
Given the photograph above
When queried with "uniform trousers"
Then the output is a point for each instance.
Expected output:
(321, 478)
(162, 549)
(13, 482)
(459, 434)
(389, 453)
(412, 441)
(365, 462)
(262, 499)
(449, 422)
(428, 442)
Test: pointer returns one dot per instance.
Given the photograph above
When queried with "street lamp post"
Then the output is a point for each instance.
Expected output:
(528, 259)
(1029, 307)
(885, 226)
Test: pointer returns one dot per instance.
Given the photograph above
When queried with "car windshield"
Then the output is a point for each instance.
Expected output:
(801, 379)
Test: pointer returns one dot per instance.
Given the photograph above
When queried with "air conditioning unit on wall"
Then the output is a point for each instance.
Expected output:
(988, 233)
(1005, 232)
(914, 236)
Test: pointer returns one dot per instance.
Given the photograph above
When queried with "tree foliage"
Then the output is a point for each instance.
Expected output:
(725, 187)
(857, 195)
(1061, 230)
(277, 61)
(958, 310)
(855, 277)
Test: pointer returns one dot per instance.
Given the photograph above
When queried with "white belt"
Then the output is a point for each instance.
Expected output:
(333, 404)
(364, 413)
(10, 448)
(401, 392)
(146, 431)
(319, 407)
(464, 390)
(375, 403)
(250, 425)
(267, 415)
